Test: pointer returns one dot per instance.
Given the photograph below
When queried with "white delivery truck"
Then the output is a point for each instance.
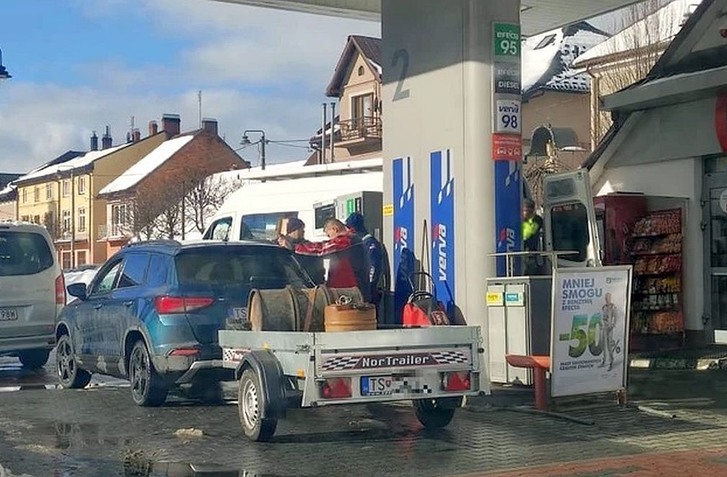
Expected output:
(256, 210)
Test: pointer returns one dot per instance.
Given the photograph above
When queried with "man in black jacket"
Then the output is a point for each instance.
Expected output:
(294, 236)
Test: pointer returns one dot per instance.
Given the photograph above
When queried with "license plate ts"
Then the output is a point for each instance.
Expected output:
(378, 385)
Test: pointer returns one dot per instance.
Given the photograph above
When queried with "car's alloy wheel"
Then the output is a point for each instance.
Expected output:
(69, 374)
(147, 387)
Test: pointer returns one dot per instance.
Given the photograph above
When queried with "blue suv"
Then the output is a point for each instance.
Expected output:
(152, 313)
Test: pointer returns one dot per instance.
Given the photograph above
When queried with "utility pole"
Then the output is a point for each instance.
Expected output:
(73, 220)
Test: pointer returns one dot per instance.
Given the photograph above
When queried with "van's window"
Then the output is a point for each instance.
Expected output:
(323, 213)
(258, 267)
(24, 253)
(569, 229)
(134, 270)
(262, 226)
(219, 230)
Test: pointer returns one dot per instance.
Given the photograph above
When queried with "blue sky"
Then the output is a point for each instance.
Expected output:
(79, 65)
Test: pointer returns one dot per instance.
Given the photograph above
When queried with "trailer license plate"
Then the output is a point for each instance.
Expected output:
(8, 314)
(377, 385)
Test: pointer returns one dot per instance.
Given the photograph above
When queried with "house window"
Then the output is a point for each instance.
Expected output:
(49, 222)
(82, 219)
(66, 221)
(361, 107)
(25, 218)
(361, 70)
(80, 258)
(119, 219)
(66, 188)
(36, 219)
(36, 194)
(82, 185)
(66, 260)
(546, 41)
(25, 195)
(49, 191)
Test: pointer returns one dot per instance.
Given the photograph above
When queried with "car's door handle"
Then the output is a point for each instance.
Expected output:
(97, 306)
(128, 303)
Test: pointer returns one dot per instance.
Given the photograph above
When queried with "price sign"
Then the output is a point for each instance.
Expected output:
(507, 114)
(506, 39)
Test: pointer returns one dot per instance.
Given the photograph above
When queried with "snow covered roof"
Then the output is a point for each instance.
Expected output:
(547, 58)
(75, 163)
(147, 164)
(658, 28)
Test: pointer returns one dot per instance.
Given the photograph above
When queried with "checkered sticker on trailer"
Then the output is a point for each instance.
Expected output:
(396, 360)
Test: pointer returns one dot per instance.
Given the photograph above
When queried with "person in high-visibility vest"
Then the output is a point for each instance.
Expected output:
(532, 229)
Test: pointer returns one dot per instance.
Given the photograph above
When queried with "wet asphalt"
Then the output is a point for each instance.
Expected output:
(98, 431)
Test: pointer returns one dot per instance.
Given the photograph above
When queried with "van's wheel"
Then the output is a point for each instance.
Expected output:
(69, 374)
(147, 387)
(436, 413)
(250, 404)
(34, 358)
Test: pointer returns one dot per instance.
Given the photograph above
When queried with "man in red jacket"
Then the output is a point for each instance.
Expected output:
(348, 263)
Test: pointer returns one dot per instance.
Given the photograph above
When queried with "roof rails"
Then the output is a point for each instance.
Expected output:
(153, 242)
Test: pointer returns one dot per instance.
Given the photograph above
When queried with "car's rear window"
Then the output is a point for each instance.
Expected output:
(23, 253)
(259, 267)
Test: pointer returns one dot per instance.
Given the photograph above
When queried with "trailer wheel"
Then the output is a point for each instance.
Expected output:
(250, 404)
(436, 413)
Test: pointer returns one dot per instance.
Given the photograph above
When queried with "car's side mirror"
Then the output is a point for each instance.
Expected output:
(78, 290)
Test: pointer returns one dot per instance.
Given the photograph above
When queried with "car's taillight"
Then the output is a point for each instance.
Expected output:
(60, 290)
(169, 305)
(458, 381)
(336, 388)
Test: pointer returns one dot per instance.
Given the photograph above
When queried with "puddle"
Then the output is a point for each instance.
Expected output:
(176, 469)
(81, 436)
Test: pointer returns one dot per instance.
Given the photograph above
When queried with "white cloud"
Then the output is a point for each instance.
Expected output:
(257, 68)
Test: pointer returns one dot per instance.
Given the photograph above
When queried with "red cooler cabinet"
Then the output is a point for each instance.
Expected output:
(616, 215)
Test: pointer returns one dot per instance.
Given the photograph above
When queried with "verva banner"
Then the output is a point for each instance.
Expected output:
(403, 207)
(442, 220)
(590, 323)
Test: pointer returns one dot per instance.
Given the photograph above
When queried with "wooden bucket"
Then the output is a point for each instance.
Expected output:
(350, 317)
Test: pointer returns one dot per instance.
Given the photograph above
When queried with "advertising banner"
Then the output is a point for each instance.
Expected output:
(590, 324)
(442, 210)
(403, 208)
(507, 210)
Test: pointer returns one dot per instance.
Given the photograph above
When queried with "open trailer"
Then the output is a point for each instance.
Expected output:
(433, 367)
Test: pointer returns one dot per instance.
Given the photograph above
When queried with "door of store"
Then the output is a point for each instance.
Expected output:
(715, 236)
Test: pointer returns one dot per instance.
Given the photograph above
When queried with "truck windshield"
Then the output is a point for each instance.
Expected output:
(569, 228)
(258, 267)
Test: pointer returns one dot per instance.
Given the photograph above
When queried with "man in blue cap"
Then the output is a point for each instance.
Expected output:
(375, 253)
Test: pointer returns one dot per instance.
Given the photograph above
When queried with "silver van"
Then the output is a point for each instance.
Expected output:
(32, 293)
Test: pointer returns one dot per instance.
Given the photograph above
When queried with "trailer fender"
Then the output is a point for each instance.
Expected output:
(272, 380)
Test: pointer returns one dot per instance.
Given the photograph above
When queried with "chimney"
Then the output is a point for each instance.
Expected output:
(210, 125)
(153, 128)
(171, 124)
(136, 135)
(94, 141)
(106, 140)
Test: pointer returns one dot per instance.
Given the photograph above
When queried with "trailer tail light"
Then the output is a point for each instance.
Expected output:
(336, 388)
(457, 381)
(60, 290)
(170, 305)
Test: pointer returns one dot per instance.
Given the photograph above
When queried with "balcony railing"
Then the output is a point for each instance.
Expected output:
(367, 127)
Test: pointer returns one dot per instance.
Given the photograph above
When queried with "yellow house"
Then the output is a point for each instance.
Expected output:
(63, 194)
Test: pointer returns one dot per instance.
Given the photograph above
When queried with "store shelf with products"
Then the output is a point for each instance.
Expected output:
(656, 302)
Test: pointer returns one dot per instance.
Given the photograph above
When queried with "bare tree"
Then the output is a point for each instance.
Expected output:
(539, 167)
(205, 197)
(646, 29)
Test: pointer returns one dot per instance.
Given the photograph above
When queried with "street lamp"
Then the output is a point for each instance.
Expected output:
(3, 71)
(246, 142)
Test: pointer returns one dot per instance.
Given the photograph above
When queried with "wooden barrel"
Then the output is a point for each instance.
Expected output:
(350, 317)
(287, 309)
(273, 310)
